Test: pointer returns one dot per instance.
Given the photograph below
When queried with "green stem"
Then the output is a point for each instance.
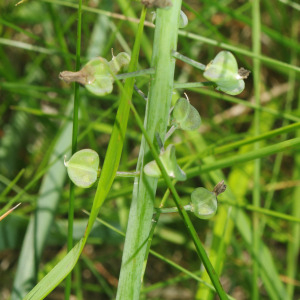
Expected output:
(170, 132)
(257, 163)
(127, 174)
(262, 211)
(144, 72)
(74, 148)
(156, 120)
(294, 242)
(187, 85)
(162, 258)
(200, 250)
(188, 60)
(168, 210)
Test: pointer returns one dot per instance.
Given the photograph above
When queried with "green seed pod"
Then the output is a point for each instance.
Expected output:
(185, 115)
(118, 62)
(181, 110)
(223, 70)
(193, 121)
(83, 167)
(101, 80)
(168, 159)
(204, 203)
(97, 74)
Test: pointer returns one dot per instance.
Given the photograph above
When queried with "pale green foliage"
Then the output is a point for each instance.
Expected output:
(223, 70)
(204, 203)
(83, 168)
(168, 159)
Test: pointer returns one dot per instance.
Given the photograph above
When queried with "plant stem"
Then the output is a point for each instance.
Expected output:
(167, 210)
(127, 174)
(294, 242)
(187, 85)
(200, 250)
(257, 163)
(157, 114)
(189, 61)
(144, 72)
(170, 132)
(74, 148)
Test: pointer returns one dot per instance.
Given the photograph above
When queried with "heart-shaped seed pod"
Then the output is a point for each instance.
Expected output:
(98, 74)
(168, 159)
(83, 167)
(185, 115)
(223, 70)
(204, 203)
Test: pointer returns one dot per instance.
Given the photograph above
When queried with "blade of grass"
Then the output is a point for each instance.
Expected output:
(292, 144)
(200, 250)
(40, 223)
(74, 148)
(110, 166)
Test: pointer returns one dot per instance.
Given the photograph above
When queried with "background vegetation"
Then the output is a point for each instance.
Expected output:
(38, 41)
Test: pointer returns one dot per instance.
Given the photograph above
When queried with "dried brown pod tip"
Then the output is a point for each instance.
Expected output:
(244, 73)
(219, 188)
(80, 77)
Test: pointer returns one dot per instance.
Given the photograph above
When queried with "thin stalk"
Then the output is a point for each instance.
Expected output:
(188, 85)
(261, 210)
(190, 227)
(292, 144)
(294, 242)
(170, 132)
(212, 150)
(189, 61)
(127, 174)
(270, 61)
(256, 30)
(74, 148)
(159, 256)
(144, 72)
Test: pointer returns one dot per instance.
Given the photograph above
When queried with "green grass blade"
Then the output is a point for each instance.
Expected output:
(38, 229)
(74, 148)
(110, 166)
(292, 144)
(200, 249)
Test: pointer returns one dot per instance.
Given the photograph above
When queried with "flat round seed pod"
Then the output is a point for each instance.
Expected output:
(168, 159)
(204, 203)
(223, 70)
(181, 110)
(83, 168)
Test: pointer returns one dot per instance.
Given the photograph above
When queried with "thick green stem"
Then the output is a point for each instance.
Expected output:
(157, 114)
